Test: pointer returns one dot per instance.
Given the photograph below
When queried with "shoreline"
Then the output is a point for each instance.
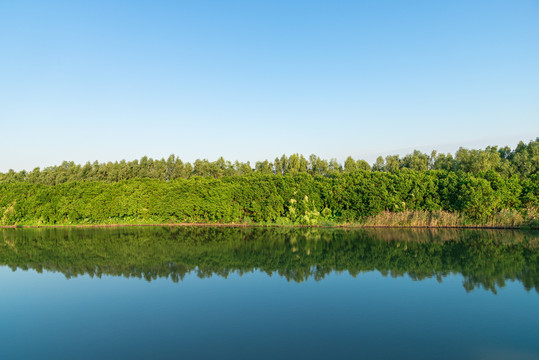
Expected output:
(239, 225)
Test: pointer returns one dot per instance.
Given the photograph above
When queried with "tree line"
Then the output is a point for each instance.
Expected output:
(522, 161)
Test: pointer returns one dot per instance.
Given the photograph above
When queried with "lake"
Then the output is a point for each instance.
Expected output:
(268, 293)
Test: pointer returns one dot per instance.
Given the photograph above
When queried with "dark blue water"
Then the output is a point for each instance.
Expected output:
(63, 301)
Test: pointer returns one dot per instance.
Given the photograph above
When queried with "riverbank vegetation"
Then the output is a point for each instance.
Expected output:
(491, 187)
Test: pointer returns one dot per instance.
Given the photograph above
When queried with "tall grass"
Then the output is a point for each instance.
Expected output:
(506, 218)
(421, 218)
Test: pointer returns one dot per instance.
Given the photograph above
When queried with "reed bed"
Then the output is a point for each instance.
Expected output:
(506, 218)
(421, 218)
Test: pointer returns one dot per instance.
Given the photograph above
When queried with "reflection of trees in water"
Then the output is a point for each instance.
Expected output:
(484, 258)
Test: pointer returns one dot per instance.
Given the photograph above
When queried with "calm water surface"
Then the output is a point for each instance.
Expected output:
(225, 293)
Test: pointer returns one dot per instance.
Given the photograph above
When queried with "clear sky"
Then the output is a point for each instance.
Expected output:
(249, 80)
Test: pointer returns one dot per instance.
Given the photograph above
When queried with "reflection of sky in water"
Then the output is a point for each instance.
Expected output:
(258, 316)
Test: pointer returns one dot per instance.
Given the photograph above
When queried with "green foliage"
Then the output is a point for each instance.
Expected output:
(268, 199)
(522, 162)
(476, 184)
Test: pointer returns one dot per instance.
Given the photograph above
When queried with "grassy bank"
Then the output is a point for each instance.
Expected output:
(506, 219)
(510, 219)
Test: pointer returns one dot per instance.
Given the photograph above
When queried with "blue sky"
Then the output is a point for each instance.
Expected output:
(250, 80)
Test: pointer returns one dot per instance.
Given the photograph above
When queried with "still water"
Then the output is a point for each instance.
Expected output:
(257, 293)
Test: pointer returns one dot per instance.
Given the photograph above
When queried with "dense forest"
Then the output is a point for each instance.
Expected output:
(496, 187)
(486, 259)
